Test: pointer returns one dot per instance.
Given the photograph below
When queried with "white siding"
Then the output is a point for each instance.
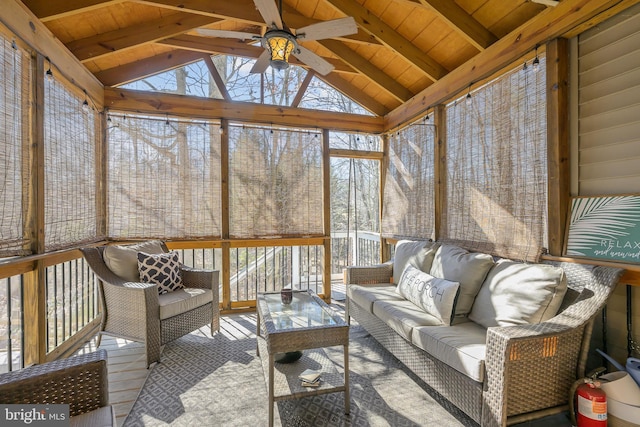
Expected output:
(607, 83)
(609, 106)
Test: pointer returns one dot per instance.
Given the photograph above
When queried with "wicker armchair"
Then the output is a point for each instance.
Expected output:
(79, 381)
(133, 310)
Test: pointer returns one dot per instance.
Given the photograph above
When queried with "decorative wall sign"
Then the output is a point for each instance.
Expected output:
(606, 227)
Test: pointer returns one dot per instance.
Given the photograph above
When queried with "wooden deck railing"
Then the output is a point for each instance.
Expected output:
(49, 303)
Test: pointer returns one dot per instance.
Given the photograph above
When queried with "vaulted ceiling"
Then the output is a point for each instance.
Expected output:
(402, 47)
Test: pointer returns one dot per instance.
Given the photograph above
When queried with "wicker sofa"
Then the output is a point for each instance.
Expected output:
(516, 373)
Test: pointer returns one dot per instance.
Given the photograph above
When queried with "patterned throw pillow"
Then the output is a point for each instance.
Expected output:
(435, 296)
(161, 269)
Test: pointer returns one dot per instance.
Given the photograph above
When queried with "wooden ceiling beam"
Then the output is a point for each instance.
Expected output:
(350, 91)
(213, 45)
(48, 10)
(302, 89)
(217, 78)
(547, 25)
(146, 67)
(24, 24)
(245, 11)
(208, 108)
(365, 67)
(116, 41)
(235, 47)
(462, 22)
(390, 37)
(159, 63)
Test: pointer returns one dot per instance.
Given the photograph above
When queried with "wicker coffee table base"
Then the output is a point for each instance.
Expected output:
(321, 328)
(283, 382)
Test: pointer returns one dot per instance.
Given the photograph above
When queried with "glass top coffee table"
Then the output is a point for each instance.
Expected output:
(306, 323)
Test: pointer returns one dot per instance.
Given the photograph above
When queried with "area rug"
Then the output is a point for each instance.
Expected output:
(204, 381)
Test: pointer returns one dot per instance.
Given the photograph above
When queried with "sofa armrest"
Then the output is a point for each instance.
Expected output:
(200, 278)
(529, 364)
(359, 275)
(79, 381)
(532, 366)
(130, 310)
(205, 279)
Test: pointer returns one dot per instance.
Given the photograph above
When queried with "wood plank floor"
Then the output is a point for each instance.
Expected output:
(126, 359)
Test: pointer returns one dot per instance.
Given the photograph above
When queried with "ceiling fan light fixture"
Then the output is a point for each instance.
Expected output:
(280, 45)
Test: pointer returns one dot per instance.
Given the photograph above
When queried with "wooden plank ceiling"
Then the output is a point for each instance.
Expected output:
(402, 46)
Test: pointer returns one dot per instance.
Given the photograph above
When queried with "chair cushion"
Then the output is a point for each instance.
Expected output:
(123, 260)
(161, 269)
(366, 295)
(183, 300)
(101, 417)
(435, 296)
(403, 316)
(416, 253)
(515, 294)
(462, 346)
(467, 268)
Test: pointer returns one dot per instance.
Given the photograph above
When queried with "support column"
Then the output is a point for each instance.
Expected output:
(385, 253)
(35, 310)
(557, 142)
(326, 217)
(440, 172)
(225, 204)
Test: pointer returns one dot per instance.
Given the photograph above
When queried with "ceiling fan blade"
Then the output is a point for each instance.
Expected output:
(314, 61)
(328, 29)
(262, 63)
(269, 11)
(546, 2)
(227, 34)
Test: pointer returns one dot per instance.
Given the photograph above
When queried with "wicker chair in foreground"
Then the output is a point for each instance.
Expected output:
(79, 381)
(135, 311)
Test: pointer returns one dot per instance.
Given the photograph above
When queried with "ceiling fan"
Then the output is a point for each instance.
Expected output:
(279, 41)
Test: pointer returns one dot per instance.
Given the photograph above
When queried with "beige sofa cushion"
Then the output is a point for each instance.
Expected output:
(123, 260)
(403, 316)
(462, 346)
(183, 300)
(467, 268)
(366, 295)
(435, 296)
(416, 253)
(515, 293)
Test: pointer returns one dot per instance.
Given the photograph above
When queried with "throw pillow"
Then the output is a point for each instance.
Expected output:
(435, 296)
(123, 260)
(161, 269)
(416, 253)
(467, 268)
(515, 294)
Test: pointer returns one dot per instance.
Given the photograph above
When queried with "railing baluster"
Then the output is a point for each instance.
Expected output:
(237, 271)
(21, 321)
(246, 275)
(83, 290)
(78, 293)
(316, 263)
(9, 325)
(55, 305)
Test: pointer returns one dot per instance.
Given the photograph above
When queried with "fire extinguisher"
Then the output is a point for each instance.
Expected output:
(588, 402)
